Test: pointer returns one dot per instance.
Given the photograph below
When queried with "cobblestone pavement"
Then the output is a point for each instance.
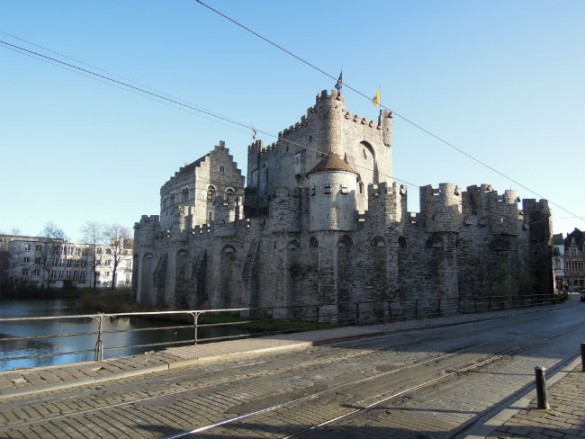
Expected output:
(565, 417)
(521, 419)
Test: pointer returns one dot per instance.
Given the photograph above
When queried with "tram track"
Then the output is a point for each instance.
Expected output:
(231, 380)
(378, 399)
(346, 398)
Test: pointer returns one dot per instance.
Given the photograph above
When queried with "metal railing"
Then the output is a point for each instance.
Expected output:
(100, 333)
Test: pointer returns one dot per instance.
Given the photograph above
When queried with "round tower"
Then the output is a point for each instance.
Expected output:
(332, 198)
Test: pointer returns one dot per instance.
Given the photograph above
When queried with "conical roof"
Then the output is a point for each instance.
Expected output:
(332, 162)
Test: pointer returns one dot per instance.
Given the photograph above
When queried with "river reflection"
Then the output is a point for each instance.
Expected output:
(62, 341)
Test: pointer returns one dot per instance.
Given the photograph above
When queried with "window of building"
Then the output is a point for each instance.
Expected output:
(26, 247)
(38, 248)
(222, 169)
(36, 272)
(344, 189)
(108, 251)
(37, 260)
(210, 193)
(26, 259)
(327, 188)
(345, 242)
(25, 271)
(402, 242)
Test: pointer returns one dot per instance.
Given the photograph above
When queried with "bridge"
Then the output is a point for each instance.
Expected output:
(459, 376)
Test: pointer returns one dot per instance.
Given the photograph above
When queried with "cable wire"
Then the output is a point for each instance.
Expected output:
(419, 127)
(145, 90)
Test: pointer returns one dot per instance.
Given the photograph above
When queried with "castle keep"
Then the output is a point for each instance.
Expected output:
(322, 222)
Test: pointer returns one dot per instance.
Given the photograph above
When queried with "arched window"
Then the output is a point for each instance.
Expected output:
(377, 241)
(185, 195)
(229, 194)
(345, 242)
(314, 242)
(293, 245)
(211, 193)
(228, 249)
(402, 242)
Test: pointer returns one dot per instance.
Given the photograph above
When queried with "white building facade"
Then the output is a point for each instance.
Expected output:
(42, 262)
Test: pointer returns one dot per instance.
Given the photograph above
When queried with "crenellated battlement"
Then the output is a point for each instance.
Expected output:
(362, 120)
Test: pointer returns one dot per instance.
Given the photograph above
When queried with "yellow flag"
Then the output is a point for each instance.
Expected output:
(376, 98)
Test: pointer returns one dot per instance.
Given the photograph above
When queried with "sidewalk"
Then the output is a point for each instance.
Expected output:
(566, 389)
(565, 417)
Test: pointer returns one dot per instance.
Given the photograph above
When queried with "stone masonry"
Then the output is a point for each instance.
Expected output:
(321, 221)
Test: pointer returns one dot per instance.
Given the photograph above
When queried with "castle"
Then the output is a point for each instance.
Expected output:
(322, 222)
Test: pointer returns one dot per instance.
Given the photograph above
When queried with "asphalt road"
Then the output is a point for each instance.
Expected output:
(436, 382)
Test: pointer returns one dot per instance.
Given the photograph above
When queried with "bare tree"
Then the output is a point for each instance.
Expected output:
(46, 248)
(117, 237)
(53, 231)
(93, 235)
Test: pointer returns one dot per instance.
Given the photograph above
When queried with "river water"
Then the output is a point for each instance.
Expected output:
(56, 348)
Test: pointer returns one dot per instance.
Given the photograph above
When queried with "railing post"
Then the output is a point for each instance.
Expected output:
(583, 356)
(99, 345)
(415, 309)
(459, 306)
(540, 378)
(196, 326)
(439, 310)
(357, 312)
(318, 316)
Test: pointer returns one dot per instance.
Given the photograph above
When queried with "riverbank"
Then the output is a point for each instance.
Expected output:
(40, 293)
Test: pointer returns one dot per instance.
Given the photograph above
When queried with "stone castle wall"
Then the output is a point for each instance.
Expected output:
(302, 233)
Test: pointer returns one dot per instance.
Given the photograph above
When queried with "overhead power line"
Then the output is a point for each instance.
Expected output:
(127, 84)
(360, 93)
(117, 82)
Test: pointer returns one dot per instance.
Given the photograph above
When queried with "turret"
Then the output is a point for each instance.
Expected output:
(441, 208)
(146, 230)
(503, 215)
(332, 198)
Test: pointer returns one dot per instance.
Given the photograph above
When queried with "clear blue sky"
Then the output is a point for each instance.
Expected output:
(502, 80)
